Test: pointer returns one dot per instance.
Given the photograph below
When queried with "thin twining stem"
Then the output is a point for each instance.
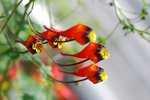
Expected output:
(53, 79)
(48, 40)
(119, 10)
(113, 31)
(116, 10)
(72, 63)
(39, 34)
(23, 17)
(22, 23)
(14, 49)
(31, 26)
(128, 20)
(30, 22)
(75, 81)
(65, 65)
(10, 16)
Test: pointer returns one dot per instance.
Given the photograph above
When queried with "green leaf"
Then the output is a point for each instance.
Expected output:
(125, 26)
(143, 14)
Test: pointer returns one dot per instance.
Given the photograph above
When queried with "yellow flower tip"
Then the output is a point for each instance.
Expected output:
(103, 76)
(92, 36)
(38, 46)
(104, 53)
(5, 85)
(59, 46)
(60, 43)
(55, 43)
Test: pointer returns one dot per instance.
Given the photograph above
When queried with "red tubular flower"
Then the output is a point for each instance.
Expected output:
(80, 33)
(33, 44)
(94, 51)
(51, 37)
(93, 73)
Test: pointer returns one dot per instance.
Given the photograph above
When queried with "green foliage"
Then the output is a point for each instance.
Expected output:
(143, 14)
(127, 25)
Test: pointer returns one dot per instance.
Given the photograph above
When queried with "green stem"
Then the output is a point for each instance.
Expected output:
(116, 10)
(22, 23)
(7, 39)
(23, 17)
(10, 16)
(127, 19)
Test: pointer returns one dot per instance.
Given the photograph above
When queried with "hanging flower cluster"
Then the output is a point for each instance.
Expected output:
(80, 33)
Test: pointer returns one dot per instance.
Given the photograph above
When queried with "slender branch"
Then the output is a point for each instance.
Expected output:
(30, 22)
(10, 16)
(75, 81)
(65, 65)
(53, 79)
(22, 23)
(131, 27)
(23, 17)
(31, 26)
(116, 11)
(113, 31)
(13, 49)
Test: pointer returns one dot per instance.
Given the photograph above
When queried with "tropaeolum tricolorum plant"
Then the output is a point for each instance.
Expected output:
(15, 23)
(80, 33)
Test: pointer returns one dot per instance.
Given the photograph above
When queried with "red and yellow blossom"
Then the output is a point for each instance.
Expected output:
(93, 51)
(93, 73)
